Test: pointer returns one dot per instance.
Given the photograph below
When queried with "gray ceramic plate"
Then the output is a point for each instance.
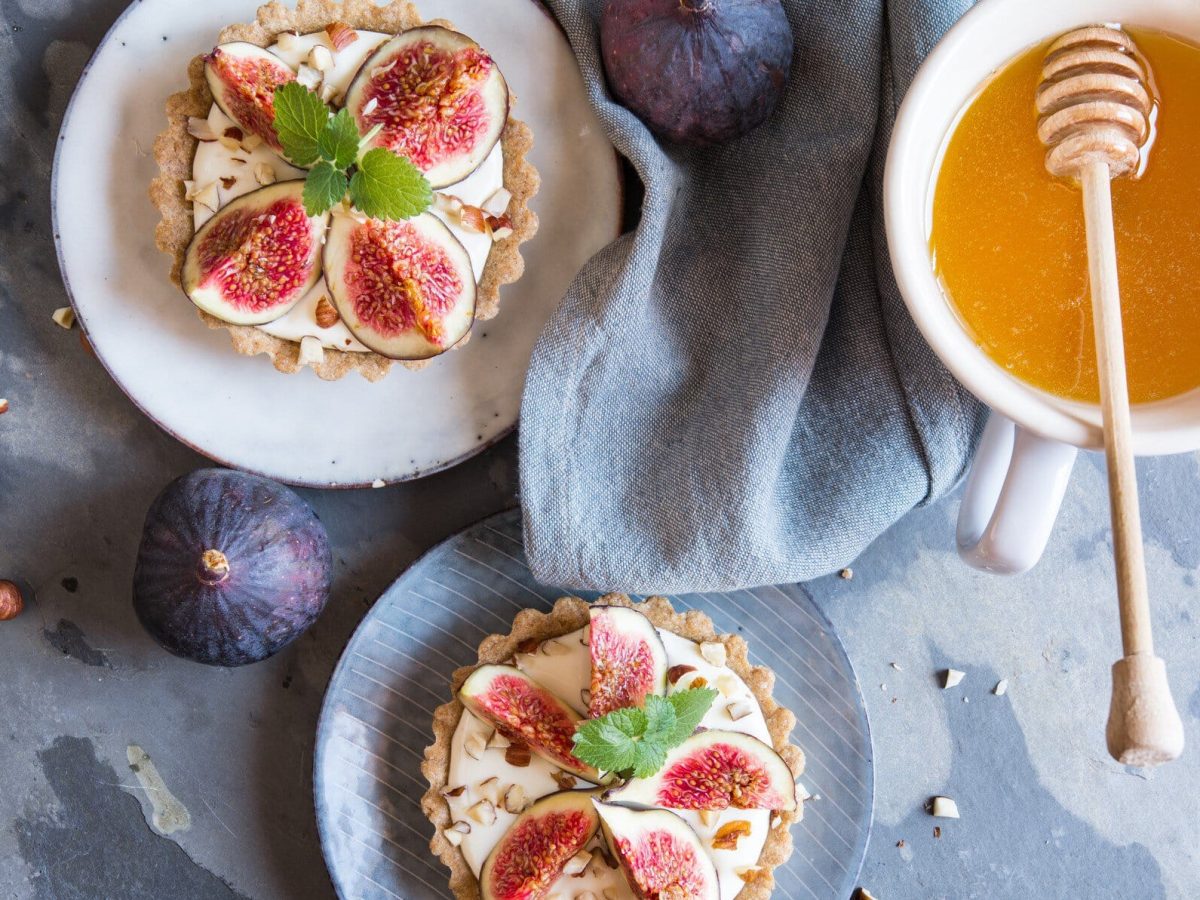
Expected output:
(396, 670)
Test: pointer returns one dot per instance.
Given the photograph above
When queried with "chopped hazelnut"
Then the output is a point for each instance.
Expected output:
(64, 317)
(475, 744)
(11, 601)
(514, 799)
(473, 219)
(517, 755)
(327, 316)
(739, 709)
(676, 672)
(483, 812)
(945, 808)
(200, 129)
(287, 41)
(308, 76)
(952, 678)
(727, 684)
(489, 789)
(340, 35)
(264, 173)
(497, 204)
(320, 58)
(577, 863)
(311, 351)
(713, 652)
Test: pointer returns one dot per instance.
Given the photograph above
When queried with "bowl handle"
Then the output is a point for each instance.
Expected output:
(1013, 493)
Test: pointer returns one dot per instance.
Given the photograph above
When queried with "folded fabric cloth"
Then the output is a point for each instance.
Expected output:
(734, 394)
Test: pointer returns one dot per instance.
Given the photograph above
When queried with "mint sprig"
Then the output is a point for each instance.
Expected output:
(386, 186)
(380, 183)
(633, 741)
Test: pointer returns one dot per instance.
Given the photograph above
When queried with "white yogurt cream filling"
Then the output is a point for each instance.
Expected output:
(563, 666)
(231, 169)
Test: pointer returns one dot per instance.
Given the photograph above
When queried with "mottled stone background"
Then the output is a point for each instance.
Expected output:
(1045, 812)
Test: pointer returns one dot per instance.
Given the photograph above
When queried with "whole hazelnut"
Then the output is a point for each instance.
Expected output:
(11, 601)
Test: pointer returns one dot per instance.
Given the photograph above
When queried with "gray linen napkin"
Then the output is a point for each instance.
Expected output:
(734, 394)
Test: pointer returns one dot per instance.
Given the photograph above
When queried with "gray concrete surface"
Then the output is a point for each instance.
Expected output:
(1045, 813)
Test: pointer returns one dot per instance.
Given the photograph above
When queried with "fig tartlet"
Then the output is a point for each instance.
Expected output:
(339, 290)
(518, 814)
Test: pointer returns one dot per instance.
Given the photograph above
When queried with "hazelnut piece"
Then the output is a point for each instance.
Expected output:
(11, 601)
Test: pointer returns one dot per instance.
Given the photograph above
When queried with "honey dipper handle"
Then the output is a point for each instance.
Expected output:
(1143, 725)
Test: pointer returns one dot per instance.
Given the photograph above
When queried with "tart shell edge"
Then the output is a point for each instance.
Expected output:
(174, 149)
(567, 615)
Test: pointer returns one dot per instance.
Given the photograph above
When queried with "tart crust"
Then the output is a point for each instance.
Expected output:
(569, 614)
(174, 149)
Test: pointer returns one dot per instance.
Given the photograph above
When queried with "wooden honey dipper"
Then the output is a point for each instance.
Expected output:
(1095, 116)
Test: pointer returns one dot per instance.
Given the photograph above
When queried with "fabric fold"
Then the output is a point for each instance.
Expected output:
(734, 395)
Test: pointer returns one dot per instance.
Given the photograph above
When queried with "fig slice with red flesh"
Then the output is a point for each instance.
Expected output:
(253, 261)
(522, 710)
(629, 660)
(243, 79)
(660, 854)
(715, 770)
(405, 289)
(537, 846)
(438, 98)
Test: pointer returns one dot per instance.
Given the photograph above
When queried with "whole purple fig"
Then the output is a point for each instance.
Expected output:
(697, 71)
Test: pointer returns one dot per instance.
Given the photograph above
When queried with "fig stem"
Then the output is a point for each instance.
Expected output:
(695, 6)
(214, 567)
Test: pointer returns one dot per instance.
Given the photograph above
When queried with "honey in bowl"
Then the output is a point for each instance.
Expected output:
(1009, 247)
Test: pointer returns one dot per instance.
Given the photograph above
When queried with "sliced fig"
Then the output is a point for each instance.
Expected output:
(629, 660)
(715, 770)
(243, 79)
(437, 97)
(660, 854)
(524, 711)
(405, 289)
(253, 261)
(537, 846)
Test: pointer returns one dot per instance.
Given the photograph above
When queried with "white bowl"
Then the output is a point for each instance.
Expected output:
(987, 37)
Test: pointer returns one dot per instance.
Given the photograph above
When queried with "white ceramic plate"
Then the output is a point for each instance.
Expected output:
(237, 409)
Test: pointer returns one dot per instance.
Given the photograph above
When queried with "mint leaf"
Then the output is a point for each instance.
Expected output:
(629, 720)
(648, 758)
(690, 707)
(660, 719)
(387, 186)
(324, 187)
(635, 740)
(601, 744)
(338, 142)
(300, 117)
